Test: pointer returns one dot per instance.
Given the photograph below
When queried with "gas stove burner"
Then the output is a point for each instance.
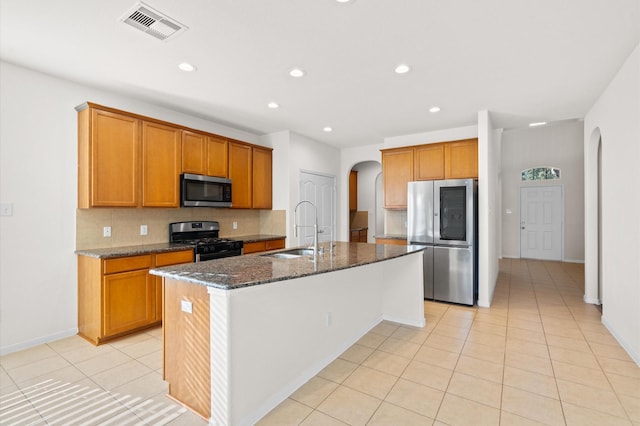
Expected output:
(204, 237)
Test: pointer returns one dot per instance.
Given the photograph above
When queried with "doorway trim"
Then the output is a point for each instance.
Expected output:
(594, 281)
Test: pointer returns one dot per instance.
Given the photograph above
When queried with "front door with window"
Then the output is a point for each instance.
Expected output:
(541, 222)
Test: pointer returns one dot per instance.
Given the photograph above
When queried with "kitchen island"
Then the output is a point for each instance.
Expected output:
(241, 334)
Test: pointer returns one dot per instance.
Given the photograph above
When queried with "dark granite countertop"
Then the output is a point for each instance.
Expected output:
(106, 253)
(392, 236)
(244, 271)
(256, 237)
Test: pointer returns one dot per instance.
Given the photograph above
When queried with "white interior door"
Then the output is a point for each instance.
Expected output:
(320, 190)
(541, 222)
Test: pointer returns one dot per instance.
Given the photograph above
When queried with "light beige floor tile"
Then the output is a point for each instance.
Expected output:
(490, 317)
(438, 357)
(129, 340)
(392, 415)
(317, 418)
(428, 375)
(350, 406)
(68, 374)
(370, 382)
(532, 406)
(121, 374)
(579, 358)
(451, 331)
(476, 389)
(356, 353)
(582, 375)
(572, 332)
(188, 418)
(526, 347)
(605, 339)
(463, 412)
(531, 382)
(152, 360)
(387, 363)
(529, 363)
(314, 391)
(616, 366)
(588, 397)
(581, 416)
(338, 370)
(480, 368)
(142, 348)
(33, 370)
(444, 343)
(484, 327)
(631, 406)
(528, 335)
(289, 412)
(610, 351)
(415, 397)
(71, 343)
(411, 334)
(102, 362)
(625, 385)
(485, 352)
(568, 343)
(371, 340)
(86, 352)
(510, 419)
(526, 324)
(399, 347)
(494, 340)
(27, 356)
(146, 386)
(385, 328)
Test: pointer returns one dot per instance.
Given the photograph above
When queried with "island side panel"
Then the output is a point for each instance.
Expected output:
(186, 342)
(403, 290)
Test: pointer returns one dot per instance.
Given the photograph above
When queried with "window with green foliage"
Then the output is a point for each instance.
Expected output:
(541, 173)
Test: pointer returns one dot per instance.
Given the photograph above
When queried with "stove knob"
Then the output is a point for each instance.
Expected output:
(204, 249)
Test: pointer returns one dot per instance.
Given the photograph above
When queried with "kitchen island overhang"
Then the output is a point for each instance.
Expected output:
(270, 333)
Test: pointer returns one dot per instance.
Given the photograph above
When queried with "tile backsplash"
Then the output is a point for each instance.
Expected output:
(125, 224)
(395, 222)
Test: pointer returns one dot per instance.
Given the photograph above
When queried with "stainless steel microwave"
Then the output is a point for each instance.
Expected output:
(204, 191)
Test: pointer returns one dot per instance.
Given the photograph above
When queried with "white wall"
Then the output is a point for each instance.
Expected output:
(488, 207)
(555, 145)
(616, 117)
(38, 175)
(367, 173)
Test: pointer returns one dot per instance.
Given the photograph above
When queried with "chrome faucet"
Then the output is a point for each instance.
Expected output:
(315, 226)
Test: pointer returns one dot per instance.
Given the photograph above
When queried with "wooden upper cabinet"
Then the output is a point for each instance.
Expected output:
(397, 171)
(353, 191)
(161, 165)
(108, 159)
(240, 173)
(262, 197)
(217, 157)
(429, 162)
(194, 153)
(461, 159)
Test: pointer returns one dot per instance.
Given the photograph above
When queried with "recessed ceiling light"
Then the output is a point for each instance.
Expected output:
(297, 72)
(434, 109)
(273, 105)
(402, 69)
(327, 129)
(185, 66)
(539, 123)
(345, 1)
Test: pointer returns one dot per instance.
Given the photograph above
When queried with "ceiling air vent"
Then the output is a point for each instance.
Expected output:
(152, 22)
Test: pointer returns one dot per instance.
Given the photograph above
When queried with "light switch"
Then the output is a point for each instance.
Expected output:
(186, 306)
(144, 230)
(106, 231)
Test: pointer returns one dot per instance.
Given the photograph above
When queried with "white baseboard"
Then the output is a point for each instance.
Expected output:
(591, 301)
(38, 341)
(573, 260)
(634, 356)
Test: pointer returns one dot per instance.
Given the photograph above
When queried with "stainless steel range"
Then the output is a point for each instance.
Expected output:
(204, 236)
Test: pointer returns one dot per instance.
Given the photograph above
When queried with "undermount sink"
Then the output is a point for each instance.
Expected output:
(291, 253)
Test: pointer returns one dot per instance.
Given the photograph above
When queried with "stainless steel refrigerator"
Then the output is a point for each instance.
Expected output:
(442, 215)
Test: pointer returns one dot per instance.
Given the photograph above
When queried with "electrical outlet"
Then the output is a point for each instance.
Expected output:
(106, 231)
(186, 306)
(235, 225)
(6, 209)
(144, 230)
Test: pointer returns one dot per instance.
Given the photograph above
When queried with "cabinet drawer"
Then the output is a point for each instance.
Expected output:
(130, 263)
(274, 244)
(174, 258)
(254, 247)
(392, 241)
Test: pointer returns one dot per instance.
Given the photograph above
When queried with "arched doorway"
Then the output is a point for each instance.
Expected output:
(364, 197)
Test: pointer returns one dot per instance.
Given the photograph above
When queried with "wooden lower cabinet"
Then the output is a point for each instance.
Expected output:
(258, 246)
(117, 296)
(186, 340)
(393, 241)
(358, 235)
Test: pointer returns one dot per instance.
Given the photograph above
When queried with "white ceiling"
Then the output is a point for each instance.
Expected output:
(524, 60)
